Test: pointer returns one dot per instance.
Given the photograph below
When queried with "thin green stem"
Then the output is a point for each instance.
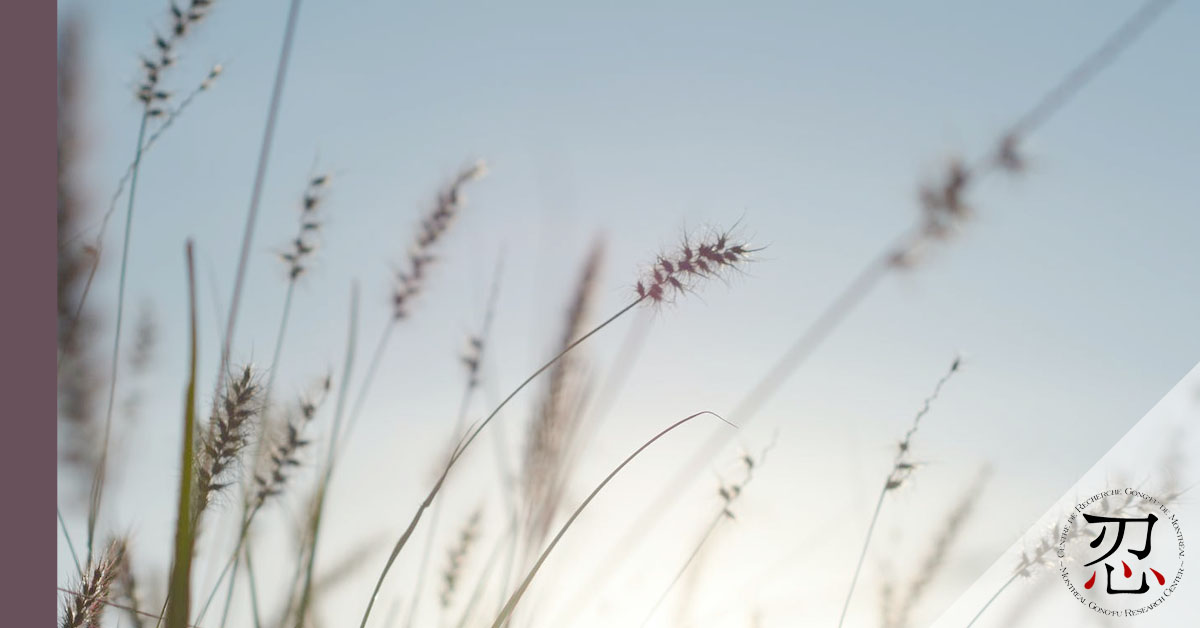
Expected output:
(260, 176)
(178, 591)
(434, 517)
(98, 480)
(253, 590)
(112, 208)
(70, 546)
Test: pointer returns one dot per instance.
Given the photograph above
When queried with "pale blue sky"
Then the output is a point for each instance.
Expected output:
(1073, 292)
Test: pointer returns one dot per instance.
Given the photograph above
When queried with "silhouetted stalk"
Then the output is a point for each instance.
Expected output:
(507, 611)
(479, 344)
(1005, 157)
(509, 538)
(902, 468)
(862, 555)
(260, 176)
(729, 494)
(179, 586)
(434, 516)
(130, 175)
(425, 504)
(712, 527)
(858, 289)
(248, 516)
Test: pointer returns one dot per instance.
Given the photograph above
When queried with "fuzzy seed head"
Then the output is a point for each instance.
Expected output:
(457, 556)
(284, 454)
(181, 20)
(305, 243)
(693, 262)
(86, 605)
(227, 434)
(410, 278)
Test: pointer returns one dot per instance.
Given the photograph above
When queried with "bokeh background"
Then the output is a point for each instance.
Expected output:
(1071, 292)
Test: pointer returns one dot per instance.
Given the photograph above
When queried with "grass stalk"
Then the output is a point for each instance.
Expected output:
(845, 302)
(511, 605)
(863, 554)
(322, 489)
(230, 565)
(425, 504)
(708, 532)
(434, 517)
(901, 469)
(1050, 103)
(181, 570)
(509, 538)
(128, 178)
(260, 176)
(480, 344)
(254, 608)
(70, 546)
(729, 494)
(247, 511)
(98, 480)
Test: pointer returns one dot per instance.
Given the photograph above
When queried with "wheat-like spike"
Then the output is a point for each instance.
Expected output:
(457, 556)
(410, 279)
(304, 245)
(154, 65)
(738, 255)
(679, 272)
(226, 436)
(553, 429)
(284, 454)
(903, 465)
(86, 605)
(902, 468)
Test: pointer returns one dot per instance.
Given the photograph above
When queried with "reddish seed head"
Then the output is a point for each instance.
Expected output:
(678, 272)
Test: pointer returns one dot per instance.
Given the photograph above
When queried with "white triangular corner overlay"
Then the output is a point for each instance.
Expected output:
(1042, 597)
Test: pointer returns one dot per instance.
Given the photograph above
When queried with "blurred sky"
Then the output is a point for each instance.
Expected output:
(1072, 292)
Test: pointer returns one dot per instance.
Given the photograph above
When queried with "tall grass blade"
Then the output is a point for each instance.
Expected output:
(181, 570)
